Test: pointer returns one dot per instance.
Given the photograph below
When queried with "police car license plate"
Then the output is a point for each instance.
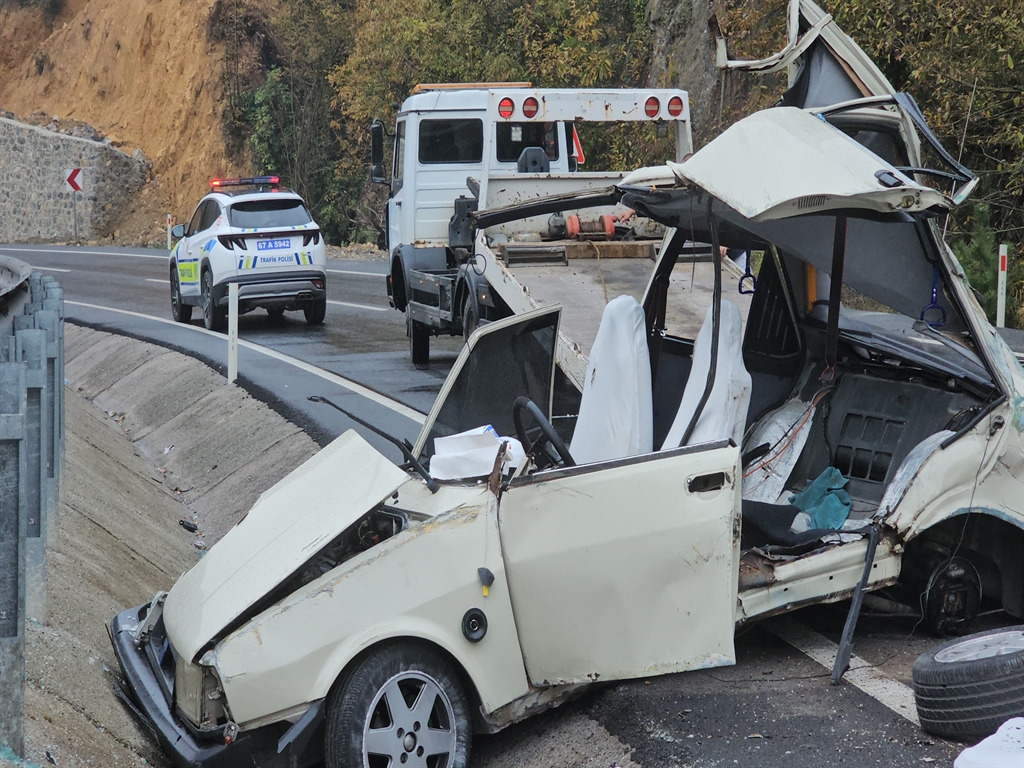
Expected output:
(273, 245)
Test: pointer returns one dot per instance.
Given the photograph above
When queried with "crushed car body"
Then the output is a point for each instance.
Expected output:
(360, 616)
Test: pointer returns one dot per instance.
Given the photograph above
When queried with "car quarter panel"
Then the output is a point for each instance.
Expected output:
(418, 584)
(623, 569)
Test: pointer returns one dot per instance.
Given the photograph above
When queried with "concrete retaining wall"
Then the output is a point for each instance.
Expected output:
(36, 204)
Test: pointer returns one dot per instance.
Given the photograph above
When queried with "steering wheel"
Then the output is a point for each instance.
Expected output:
(549, 443)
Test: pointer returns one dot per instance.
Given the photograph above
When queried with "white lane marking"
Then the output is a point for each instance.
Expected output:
(358, 306)
(354, 272)
(891, 693)
(156, 280)
(50, 269)
(72, 250)
(333, 378)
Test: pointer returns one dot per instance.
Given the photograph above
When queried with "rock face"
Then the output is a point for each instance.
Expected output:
(35, 202)
(683, 56)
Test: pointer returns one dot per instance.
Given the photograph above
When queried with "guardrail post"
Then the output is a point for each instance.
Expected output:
(48, 320)
(30, 346)
(12, 563)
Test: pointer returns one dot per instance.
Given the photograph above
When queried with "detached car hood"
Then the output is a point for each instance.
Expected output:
(289, 524)
(810, 167)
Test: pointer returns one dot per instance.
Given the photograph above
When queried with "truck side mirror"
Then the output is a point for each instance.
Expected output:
(378, 174)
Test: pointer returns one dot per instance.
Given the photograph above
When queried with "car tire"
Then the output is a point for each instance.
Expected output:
(470, 318)
(275, 313)
(181, 313)
(419, 343)
(315, 311)
(214, 317)
(966, 688)
(401, 705)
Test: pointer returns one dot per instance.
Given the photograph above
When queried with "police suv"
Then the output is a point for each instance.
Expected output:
(254, 233)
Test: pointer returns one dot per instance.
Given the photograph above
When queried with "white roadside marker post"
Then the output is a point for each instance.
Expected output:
(232, 332)
(1001, 289)
(168, 231)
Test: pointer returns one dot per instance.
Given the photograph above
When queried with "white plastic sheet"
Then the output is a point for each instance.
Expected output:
(1003, 749)
(472, 454)
(616, 416)
(725, 413)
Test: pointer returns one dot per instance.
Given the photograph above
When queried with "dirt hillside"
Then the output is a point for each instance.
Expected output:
(143, 73)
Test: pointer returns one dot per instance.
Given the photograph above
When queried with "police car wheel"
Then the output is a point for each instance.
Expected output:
(315, 311)
(214, 317)
(181, 313)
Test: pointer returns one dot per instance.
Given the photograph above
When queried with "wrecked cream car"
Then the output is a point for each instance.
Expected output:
(374, 615)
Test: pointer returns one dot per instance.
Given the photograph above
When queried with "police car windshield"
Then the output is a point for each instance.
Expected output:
(260, 214)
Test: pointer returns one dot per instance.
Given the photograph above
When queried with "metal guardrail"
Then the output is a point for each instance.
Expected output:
(31, 467)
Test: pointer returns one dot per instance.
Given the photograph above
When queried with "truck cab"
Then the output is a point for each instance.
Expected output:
(459, 148)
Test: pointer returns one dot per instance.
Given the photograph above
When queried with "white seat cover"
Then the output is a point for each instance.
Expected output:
(725, 413)
(616, 413)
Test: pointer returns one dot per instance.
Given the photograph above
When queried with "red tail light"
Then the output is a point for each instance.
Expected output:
(675, 106)
(652, 107)
(530, 107)
(232, 241)
(506, 108)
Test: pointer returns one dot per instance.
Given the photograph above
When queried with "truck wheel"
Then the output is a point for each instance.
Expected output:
(214, 317)
(419, 343)
(275, 313)
(470, 320)
(966, 688)
(181, 313)
(402, 705)
(315, 311)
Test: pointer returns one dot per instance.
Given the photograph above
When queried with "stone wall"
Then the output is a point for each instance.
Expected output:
(35, 203)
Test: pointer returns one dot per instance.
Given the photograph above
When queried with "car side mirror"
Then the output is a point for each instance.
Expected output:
(178, 231)
(378, 174)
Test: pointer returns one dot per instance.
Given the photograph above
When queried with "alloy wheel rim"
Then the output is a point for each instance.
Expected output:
(986, 647)
(410, 723)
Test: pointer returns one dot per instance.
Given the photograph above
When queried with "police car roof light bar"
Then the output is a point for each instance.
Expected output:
(255, 180)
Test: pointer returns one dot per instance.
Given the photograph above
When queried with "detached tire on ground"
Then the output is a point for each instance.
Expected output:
(403, 704)
(966, 688)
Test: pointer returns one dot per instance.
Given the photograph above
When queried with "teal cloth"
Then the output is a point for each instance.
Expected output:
(825, 500)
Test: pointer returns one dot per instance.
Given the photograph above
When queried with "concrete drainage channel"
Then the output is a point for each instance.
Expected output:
(153, 438)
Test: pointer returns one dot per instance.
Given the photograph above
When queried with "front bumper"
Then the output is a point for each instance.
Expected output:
(258, 747)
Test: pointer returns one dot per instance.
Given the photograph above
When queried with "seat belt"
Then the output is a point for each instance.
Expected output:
(834, 299)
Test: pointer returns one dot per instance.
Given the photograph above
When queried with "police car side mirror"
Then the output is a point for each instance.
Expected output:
(178, 231)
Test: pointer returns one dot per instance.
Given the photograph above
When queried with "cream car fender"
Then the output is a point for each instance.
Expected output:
(418, 584)
(980, 471)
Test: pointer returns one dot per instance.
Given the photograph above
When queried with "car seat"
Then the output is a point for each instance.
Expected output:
(725, 413)
(616, 417)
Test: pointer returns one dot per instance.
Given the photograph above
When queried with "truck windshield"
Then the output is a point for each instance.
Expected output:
(512, 138)
(451, 141)
(260, 214)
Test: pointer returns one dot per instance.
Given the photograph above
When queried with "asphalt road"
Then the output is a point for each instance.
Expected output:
(775, 707)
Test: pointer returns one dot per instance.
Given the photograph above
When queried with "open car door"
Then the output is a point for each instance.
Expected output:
(625, 568)
(510, 358)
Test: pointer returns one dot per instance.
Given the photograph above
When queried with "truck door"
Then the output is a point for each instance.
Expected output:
(625, 568)
(395, 213)
(448, 150)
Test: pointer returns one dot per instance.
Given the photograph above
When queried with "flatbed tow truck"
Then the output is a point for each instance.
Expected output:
(460, 149)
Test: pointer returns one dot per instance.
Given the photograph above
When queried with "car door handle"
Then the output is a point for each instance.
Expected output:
(705, 483)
